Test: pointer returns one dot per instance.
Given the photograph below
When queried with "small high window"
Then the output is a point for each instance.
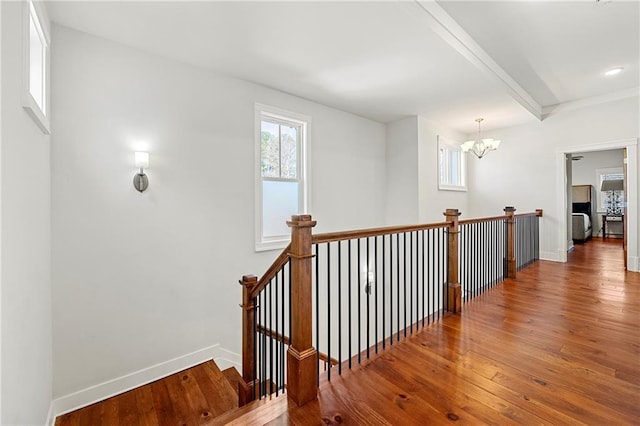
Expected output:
(281, 146)
(451, 166)
(36, 64)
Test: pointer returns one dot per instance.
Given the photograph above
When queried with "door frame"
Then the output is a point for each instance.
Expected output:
(632, 188)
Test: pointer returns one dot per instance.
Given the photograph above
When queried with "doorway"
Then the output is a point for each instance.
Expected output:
(630, 203)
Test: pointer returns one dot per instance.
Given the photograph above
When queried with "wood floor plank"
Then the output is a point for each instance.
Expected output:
(127, 409)
(183, 410)
(144, 403)
(165, 411)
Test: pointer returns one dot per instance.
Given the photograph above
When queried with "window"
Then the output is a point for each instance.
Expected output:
(281, 189)
(36, 65)
(605, 197)
(451, 166)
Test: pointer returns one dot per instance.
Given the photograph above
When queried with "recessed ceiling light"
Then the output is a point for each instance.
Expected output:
(614, 71)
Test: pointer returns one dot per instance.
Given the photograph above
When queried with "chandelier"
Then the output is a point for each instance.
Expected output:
(480, 146)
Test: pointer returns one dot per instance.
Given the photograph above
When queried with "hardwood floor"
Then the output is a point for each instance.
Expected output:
(559, 345)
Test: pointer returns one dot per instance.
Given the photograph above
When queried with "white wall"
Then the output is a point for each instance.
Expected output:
(434, 202)
(25, 240)
(584, 173)
(139, 279)
(412, 172)
(523, 172)
(402, 172)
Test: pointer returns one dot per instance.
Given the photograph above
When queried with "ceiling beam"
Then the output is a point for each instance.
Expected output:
(449, 30)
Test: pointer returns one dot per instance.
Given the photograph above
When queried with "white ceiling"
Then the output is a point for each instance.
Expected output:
(449, 61)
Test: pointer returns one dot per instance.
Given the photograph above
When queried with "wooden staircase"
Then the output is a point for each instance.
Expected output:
(195, 396)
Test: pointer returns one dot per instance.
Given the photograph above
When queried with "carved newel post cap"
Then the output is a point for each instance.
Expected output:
(301, 221)
(452, 212)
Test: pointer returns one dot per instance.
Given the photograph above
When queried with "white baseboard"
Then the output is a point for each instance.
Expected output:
(101, 391)
(225, 359)
(633, 263)
(551, 256)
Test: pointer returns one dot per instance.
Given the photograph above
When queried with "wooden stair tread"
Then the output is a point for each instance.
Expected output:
(196, 395)
(233, 377)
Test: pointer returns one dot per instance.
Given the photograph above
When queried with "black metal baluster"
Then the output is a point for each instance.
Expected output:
(432, 268)
(290, 302)
(404, 288)
(368, 297)
(423, 278)
(390, 289)
(375, 283)
(317, 259)
(537, 237)
(494, 238)
(263, 381)
(282, 350)
(461, 260)
(339, 307)
(329, 311)
(349, 297)
(410, 280)
(398, 285)
(445, 289)
(476, 255)
(483, 231)
(359, 303)
(384, 279)
(439, 275)
(270, 338)
(277, 333)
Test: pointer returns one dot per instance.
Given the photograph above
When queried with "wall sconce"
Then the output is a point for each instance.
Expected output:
(140, 180)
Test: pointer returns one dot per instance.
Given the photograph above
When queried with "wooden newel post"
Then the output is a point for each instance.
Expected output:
(245, 390)
(511, 242)
(302, 357)
(454, 293)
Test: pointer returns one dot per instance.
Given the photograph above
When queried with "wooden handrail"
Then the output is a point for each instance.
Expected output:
(270, 273)
(374, 232)
(278, 337)
(481, 220)
(538, 213)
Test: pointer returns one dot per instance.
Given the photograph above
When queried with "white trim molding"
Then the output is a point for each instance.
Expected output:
(586, 102)
(39, 113)
(82, 398)
(550, 256)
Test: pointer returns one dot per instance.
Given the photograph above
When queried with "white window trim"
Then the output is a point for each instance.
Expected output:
(463, 166)
(274, 243)
(40, 117)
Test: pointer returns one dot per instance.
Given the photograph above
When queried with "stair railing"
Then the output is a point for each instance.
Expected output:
(356, 292)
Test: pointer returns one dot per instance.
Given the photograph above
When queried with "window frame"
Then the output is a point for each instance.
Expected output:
(39, 115)
(462, 165)
(285, 117)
